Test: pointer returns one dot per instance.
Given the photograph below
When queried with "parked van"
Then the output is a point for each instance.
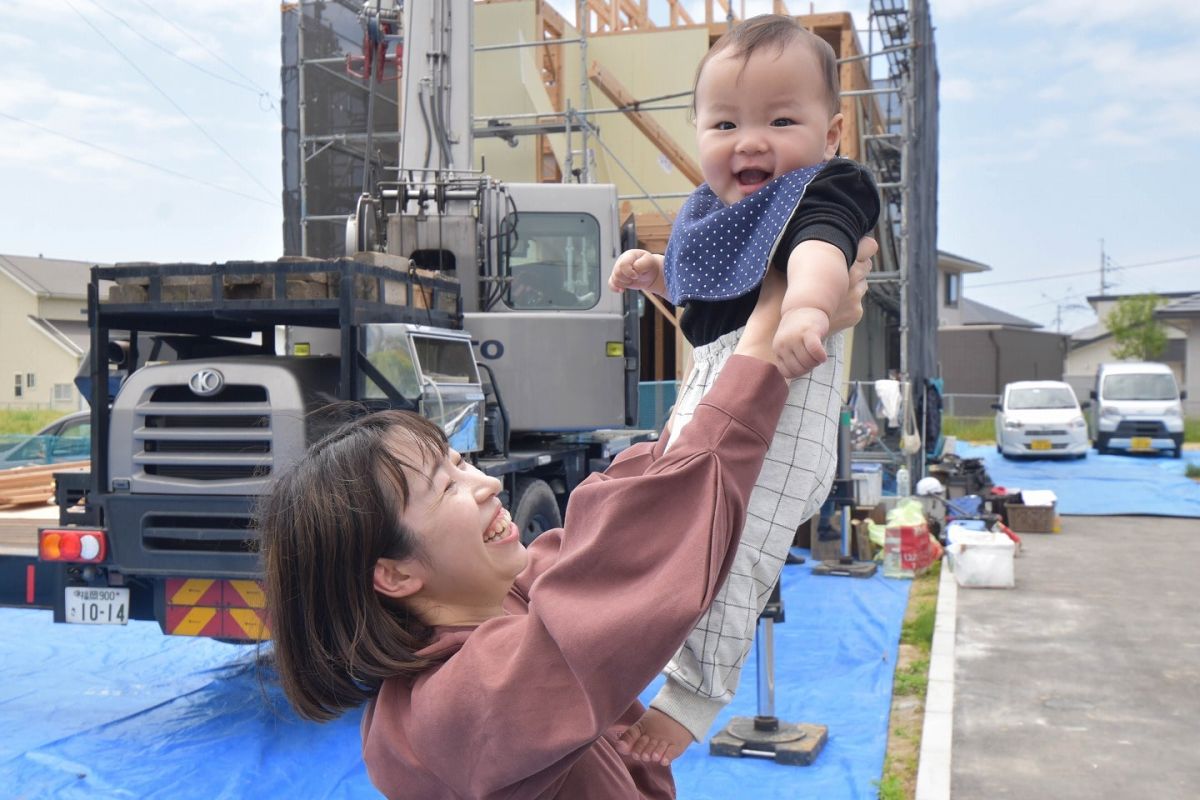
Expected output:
(1137, 408)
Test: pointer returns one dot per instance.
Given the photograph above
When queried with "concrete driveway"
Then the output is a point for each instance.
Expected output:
(1083, 682)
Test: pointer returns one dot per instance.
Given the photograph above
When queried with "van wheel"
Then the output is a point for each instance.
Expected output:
(536, 509)
(1102, 444)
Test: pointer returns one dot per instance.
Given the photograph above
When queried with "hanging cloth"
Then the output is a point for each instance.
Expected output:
(910, 437)
(719, 252)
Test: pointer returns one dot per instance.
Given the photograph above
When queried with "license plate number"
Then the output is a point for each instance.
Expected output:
(1140, 443)
(1039, 444)
(88, 605)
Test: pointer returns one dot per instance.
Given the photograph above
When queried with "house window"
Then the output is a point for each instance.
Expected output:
(63, 393)
(18, 387)
(953, 289)
(30, 380)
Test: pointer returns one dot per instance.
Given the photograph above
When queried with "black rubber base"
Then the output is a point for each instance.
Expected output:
(846, 568)
(795, 745)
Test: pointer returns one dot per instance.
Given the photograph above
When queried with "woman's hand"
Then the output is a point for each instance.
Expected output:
(850, 310)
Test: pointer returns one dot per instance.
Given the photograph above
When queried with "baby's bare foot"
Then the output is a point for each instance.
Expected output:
(655, 737)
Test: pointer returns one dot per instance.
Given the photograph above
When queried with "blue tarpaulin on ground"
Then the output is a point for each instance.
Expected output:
(1127, 484)
(125, 712)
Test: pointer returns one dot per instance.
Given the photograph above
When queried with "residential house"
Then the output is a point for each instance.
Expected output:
(981, 348)
(43, 328)
(1093, 345)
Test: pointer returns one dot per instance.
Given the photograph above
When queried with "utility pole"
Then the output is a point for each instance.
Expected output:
(1104, 263)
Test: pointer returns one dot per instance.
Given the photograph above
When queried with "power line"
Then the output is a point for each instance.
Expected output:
(165, 170)
(1086, 272)
(168, 98)
(175, 55)
(206, 49)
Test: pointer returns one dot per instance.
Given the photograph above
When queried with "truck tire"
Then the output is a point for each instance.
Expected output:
(1102, 444)
(535, 510)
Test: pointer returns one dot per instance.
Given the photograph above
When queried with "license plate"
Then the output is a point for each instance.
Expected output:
(1040, 444)
(1141, 443)
(90, 605)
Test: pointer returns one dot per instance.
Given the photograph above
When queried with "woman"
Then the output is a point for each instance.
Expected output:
(394, 576)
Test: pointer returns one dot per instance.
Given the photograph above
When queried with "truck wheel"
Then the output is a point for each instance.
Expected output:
(1102, 444)
(535, 510)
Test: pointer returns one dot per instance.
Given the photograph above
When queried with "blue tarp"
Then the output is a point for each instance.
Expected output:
(125, 712)
(1102, 485)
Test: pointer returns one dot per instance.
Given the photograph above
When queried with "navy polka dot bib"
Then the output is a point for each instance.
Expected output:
(719, 252)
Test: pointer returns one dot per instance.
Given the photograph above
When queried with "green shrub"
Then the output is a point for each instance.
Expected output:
(970, 429)
(24, 421)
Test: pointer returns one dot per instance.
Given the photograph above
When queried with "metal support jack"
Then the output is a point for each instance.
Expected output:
(765, 735)
(841, 499)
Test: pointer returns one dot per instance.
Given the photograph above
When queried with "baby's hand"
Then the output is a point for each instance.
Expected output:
(638, 269)
(797, 343)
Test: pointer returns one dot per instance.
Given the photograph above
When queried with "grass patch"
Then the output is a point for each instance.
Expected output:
(899, 780)
(23, 421)
(970, 429)
(1193, 471)
(1191, 429)
(913, 679)
(918, 631)
(891, 788)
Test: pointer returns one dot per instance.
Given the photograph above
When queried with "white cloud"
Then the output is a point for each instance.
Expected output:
(952, 89)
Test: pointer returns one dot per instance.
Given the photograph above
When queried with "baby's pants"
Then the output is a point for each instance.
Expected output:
(795, 480)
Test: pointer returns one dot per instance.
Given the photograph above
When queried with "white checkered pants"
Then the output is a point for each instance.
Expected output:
(795, 480)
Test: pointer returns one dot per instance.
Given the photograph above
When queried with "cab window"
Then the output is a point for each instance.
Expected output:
(554, 262)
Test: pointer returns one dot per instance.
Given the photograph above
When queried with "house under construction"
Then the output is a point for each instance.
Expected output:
(604, 95)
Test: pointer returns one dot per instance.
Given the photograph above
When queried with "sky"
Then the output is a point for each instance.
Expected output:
(148, 130)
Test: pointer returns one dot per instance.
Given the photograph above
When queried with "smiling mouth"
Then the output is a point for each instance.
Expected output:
(499, 528)
(752, 177)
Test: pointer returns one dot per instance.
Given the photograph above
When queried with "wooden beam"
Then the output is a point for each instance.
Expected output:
(615, 91)
(679, 14)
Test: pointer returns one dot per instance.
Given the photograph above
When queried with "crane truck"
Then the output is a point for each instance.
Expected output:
(479, 304)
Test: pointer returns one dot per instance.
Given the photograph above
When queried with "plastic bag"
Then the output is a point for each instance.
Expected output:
(864, 429)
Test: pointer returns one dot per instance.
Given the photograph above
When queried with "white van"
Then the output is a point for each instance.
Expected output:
(1137, 408)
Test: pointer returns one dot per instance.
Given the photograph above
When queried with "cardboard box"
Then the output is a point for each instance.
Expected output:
(1030, 519)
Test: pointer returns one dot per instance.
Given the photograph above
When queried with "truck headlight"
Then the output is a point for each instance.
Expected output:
(1013, 425)
(1079, 422)
(1172, 411)
(1110, 411)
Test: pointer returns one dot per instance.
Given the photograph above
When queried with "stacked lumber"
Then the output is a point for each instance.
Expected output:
(26, 486)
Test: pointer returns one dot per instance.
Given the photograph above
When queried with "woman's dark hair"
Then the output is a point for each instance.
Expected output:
(777, 31)
(323, 526)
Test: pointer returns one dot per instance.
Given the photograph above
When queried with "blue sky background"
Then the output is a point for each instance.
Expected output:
(149, 130)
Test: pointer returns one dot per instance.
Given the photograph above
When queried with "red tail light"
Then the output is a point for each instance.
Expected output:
(84, 546)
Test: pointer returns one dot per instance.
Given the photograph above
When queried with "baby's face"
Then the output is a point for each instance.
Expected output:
(757, 123)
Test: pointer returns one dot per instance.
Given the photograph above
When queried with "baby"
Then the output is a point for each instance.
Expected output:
(768, 128)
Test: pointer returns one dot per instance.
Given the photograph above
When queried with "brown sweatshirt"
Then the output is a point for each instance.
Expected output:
(529, 705)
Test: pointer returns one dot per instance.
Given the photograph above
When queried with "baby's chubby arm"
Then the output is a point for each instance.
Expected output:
(817, 283)
(638, 269)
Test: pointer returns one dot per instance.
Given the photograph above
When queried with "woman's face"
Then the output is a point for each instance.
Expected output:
(470, 551)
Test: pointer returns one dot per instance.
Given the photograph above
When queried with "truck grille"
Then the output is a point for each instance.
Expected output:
(1140, 428)
(199, 534)
(228, 436)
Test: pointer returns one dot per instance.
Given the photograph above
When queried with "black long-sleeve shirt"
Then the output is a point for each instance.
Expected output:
(840, 206)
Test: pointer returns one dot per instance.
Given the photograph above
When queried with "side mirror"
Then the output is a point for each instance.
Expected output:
(997, 406)
(1092, 394)
(1085, 405)
(1183, 395)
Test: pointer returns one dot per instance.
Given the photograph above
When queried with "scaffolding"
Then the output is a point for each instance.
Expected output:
(889, 104)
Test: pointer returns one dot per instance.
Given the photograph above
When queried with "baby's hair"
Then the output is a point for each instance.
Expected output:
(777, 31)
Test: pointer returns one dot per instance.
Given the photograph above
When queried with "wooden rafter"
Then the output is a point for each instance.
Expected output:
(615, 91)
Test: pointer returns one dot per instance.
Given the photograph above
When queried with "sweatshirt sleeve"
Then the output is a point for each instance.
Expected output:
(643, 550)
